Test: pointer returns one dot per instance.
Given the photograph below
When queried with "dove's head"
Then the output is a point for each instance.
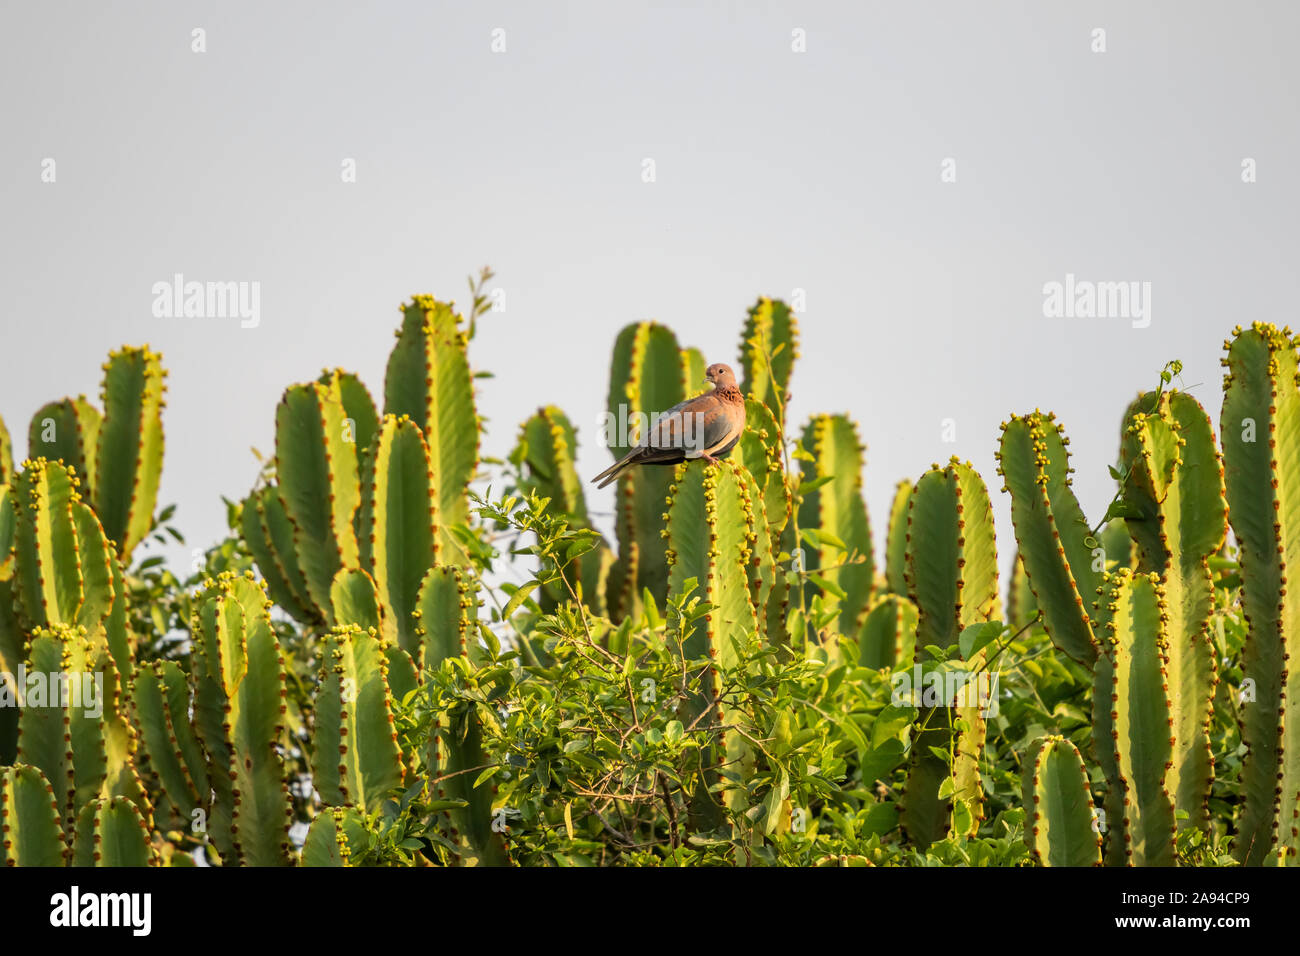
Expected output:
(720, 375)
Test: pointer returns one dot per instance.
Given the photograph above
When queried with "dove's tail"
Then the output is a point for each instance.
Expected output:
(614, 470)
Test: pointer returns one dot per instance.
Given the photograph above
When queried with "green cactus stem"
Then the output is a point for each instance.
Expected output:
(1063, 562)
(319, 484)
(1133, 724)
(833, 508)
(1260, 431)
(769, 346)
(1175, 487)
(447, 622)
(429, 380)
(545, 454)
(647, 376)
(952, 578)
(30, 829)
(67, 431)
(129, 446)
(1062, 828)
(711, 538)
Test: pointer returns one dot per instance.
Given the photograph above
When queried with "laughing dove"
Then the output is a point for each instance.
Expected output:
(707, 426)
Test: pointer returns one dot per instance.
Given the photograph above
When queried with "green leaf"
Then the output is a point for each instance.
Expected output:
(978, 636)
(518, 598)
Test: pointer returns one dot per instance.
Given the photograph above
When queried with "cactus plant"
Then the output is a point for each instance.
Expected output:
(1133, 721)
(1178, 519)
(952, 577)
(447, 622)
(129, 446)
(1059, 554)
(332, 836)
(429, 379)
(647, 375)
(1063, 829)
(319, 482)
(896, 539)
(63, 563)
(545, 454)
(67, 431)
(399, 520)
(356, 758)
(887, 638)
(769, 346)
(711, 537)
(1259, 429)
(6, 455)
(112, 832)
(833, 508)
(29, 819)
(239, 686)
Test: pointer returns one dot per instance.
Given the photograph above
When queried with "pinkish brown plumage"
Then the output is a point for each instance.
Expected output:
(707, 426)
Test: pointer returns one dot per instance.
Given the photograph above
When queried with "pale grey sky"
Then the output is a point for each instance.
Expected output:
(776, 170)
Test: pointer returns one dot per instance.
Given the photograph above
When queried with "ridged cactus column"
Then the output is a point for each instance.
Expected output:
(545, 453)
(1260, 430)
(711, 538)
(429, 380)
(29, 819)
(952, 577)
(67, 431)
(63, 562)
(129, 446)
(399, 520)
(1061, 828)
(6, 455)
(834, 509)
(356, 758)
(1175, 487)
(769, 346)
(447, 625)
(1134, 738)
(647, 376)
(1063, 565)
(239, 691)
(319, 482)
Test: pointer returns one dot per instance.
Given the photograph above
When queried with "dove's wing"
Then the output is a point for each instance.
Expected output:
(700, 425)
